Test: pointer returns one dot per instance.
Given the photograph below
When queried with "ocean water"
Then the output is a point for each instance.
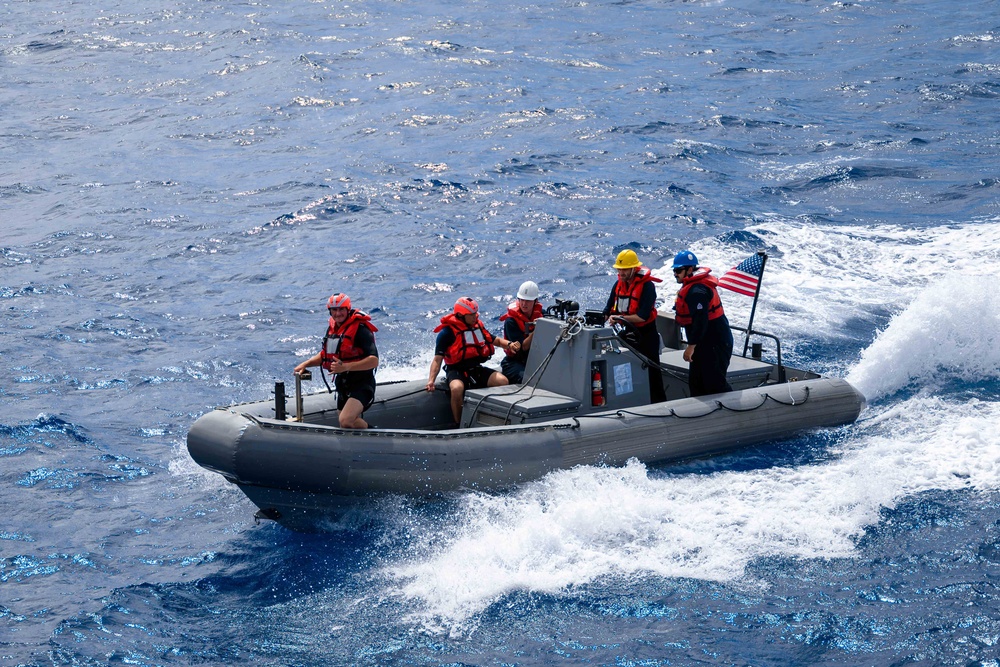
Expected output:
(185, 184)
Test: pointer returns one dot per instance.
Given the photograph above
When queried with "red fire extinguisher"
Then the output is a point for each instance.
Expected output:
(596, 386)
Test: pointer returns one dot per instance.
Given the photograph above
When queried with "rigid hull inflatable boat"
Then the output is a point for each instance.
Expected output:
(585, 401)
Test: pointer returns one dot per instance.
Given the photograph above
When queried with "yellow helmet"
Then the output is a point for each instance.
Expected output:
(627, 259)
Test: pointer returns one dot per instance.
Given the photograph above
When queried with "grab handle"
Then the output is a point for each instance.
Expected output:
(299, 377)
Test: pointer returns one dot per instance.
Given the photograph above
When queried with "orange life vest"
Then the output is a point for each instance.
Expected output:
(471, 343)
(627, 295)
(339, 341)
(701, 277)
(514, 313)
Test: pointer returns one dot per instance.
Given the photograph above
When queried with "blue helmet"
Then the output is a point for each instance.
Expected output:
(685, 258)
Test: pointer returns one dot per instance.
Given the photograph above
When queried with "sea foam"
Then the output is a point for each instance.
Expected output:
(576, 527)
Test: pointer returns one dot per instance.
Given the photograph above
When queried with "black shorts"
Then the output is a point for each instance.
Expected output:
(363, 389)
(473, 378)
(513, 369)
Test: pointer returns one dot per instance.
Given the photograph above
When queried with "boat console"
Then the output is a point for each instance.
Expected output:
(579, 366)
(573, 368)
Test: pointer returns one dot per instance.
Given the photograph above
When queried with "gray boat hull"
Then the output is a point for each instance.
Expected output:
(586, 401)
(301, 474)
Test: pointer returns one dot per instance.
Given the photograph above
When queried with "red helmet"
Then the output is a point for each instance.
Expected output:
(466, 306)
(338, 300)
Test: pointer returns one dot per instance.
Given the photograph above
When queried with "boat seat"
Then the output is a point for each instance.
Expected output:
(743, 372)
(515, 404)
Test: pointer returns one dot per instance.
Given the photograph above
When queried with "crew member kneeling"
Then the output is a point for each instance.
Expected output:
(349, 353)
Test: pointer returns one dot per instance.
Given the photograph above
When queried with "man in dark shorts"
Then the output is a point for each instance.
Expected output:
(464, 344)
(349, 353)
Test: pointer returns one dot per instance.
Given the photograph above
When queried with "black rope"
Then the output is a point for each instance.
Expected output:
(618, 414)
(540, 371)
(723, 406)
(322, 374)
(665, 369)
(649, 362)
(719, 405)
(409, 393)
(793, 402)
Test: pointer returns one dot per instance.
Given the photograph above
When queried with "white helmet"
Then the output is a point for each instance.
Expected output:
(528, 290)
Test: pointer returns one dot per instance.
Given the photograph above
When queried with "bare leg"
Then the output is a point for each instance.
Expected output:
(350, 416)
(457, 388)
(498, 379)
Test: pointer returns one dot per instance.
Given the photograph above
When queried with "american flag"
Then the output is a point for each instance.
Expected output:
(745, 276)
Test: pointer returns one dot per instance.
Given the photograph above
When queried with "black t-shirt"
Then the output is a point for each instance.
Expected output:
(364, 340)
(445, 339)
(647, 301)
(512, 332)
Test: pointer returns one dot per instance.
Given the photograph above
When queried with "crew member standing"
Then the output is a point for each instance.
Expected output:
(709, 338)
(633, 304)
(519, 328)
(349, 352)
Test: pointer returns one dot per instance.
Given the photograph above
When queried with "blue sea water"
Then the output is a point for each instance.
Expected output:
(186, 182)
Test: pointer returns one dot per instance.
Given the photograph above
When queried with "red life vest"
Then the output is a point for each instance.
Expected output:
(339, 341)
(627, 295)
(514, 313)
(471, 343)
(700, 277)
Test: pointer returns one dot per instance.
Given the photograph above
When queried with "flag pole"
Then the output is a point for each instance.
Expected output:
(756, 293)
